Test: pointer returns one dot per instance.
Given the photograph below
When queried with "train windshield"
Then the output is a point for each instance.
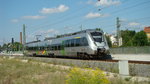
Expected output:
(97, 36)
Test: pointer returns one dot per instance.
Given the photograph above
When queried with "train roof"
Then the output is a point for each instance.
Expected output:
(33, 42)
(70, 34)
(65, 35)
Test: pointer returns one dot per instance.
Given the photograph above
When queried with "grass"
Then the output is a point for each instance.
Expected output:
(16, 72)
(20, 71)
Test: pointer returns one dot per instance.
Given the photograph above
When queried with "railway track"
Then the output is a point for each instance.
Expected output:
(103, 60)
(130, 61)
(138, 68)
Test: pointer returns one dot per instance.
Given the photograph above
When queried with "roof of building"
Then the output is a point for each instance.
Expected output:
(147, 29)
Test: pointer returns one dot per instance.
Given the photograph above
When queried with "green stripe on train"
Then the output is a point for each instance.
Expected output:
(37, 52)
(62, 50)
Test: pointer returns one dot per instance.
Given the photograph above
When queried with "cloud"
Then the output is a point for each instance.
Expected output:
(134, 24)
(43, 33)
(59, 9)
(46, 32)
(14, 20)
(104, 2)
(33, 17)
(36, 17)
(90, 2)
(95, 15)
(107, 2)
(50, 31)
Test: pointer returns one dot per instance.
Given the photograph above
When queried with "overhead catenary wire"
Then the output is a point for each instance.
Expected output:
(72, 17)
(114, 12)
(96, 18)
(104, 21)
(61, 17)
(127, 22)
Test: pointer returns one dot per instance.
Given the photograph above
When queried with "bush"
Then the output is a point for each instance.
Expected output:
(86, 76)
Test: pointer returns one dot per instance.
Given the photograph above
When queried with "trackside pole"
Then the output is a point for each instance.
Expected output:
(24, 38)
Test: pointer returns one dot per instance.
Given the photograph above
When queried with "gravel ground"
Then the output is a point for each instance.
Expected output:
(138, 57)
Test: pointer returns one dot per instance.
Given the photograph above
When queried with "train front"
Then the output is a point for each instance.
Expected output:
(100, 43)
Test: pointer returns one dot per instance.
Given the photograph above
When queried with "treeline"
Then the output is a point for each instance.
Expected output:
(16, 46)
(132, 38)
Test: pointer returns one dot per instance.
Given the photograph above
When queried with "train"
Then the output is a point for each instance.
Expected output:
(89, 43)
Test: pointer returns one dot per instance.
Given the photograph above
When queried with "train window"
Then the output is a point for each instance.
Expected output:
(40, 48)
(52, 47)
(62, 45)
(55, 47)
(30, 48)
(77, 43)
(72, 42)
(48, 47)
(59, 47)
(27, 48)
(97, 36)
(69, 43)
(43, 48)
(84, 42)
(98, 39)
(33, 48)
(96, 33)
(66, 43)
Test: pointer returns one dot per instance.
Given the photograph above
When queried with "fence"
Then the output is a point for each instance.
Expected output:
(130, 50)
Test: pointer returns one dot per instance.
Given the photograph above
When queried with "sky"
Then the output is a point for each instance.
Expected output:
(54, 17)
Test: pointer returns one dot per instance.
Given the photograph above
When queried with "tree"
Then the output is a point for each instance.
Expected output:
(127, 36)
(0, 47)
(140, 39)
(108, 41)
(16, 46)
(4, 46)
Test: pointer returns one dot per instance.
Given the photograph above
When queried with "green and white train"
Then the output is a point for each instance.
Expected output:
(90, 43)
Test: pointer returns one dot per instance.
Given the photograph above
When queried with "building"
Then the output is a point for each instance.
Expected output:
(147, 31)
(113, 40)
